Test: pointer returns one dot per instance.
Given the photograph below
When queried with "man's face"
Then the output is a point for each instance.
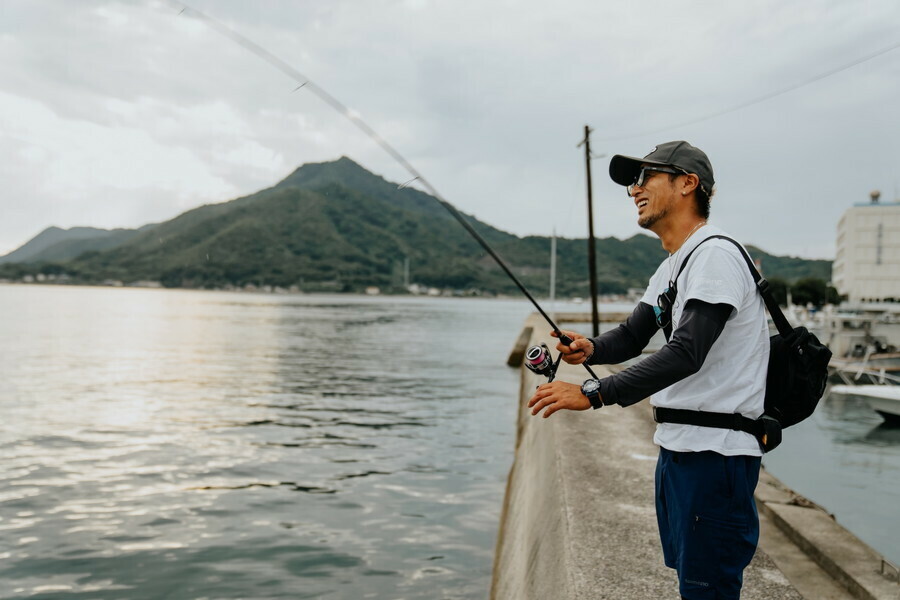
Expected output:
(654, 199)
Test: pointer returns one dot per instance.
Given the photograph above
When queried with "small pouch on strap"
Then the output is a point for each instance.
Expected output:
(768, 433)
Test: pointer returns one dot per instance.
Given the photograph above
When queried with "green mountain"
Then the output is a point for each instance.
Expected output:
(790, 268)
(336, 226)
(58, 245)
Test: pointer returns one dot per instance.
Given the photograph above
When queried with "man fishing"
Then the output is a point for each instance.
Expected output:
(705, 476)
(715, 360)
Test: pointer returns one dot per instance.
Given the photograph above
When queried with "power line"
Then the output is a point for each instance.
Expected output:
(762, 98)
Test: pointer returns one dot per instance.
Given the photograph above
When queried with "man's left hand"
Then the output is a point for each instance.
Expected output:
(558, 395)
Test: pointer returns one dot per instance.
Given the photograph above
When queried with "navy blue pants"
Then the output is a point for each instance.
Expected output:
(707, 520)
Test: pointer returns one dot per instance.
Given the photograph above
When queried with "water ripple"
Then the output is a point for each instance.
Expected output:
(183, 445)
(292, 485)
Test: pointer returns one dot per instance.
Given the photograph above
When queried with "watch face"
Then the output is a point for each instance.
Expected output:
(590, 386)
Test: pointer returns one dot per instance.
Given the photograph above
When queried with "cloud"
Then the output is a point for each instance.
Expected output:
(91, 169)
(487, 100)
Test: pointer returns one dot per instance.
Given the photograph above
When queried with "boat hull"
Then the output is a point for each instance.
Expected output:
(884, 399)
(889, 409)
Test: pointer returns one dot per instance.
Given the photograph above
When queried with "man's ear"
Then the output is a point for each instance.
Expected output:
(689, 183)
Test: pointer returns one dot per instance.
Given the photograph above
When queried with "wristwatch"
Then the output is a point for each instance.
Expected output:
(591, 389)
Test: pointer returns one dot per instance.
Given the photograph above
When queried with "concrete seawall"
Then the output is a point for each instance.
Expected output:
(579, 518)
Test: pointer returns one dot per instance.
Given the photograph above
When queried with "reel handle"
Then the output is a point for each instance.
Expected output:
(555, 368)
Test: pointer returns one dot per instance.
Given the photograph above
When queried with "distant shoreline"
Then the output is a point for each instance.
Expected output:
(277, 291)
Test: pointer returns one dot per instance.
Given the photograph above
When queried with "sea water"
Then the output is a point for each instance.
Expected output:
(181, 444)
(846, 458)
(186, 444)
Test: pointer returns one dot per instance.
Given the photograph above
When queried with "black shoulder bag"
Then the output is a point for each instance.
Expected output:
(798, 369)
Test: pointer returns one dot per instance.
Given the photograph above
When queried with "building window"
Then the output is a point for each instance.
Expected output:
(878, 243)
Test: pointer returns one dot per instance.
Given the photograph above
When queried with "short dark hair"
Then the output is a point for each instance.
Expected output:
(700, 196)
(702, 199)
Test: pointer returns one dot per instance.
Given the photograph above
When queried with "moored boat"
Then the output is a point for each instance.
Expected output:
(884, 399)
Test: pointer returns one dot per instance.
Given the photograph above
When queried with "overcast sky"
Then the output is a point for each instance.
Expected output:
(122, 113)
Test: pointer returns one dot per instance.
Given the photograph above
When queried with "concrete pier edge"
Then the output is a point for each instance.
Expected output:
(578, 516)
(846, 558)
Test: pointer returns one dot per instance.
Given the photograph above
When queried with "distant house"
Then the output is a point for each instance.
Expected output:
(867, 262)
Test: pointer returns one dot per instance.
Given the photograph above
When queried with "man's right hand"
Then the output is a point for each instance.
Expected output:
(578, 351)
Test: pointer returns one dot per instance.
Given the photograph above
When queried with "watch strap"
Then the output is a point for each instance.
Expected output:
(593, 397)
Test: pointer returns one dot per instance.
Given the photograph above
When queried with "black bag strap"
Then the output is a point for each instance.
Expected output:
(762, 284)
(682, 416)
(765, 429)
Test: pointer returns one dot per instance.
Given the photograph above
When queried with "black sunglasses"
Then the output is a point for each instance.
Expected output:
(642, 177)
(664, 303)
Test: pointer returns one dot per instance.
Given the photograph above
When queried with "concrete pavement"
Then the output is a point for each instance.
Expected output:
(579, 518)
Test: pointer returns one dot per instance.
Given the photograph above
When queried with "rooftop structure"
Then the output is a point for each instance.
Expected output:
(867, 262)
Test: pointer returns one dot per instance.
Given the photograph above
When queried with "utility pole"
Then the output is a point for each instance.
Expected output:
(592, 253)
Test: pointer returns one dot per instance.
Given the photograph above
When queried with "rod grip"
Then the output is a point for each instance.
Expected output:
(567, 340)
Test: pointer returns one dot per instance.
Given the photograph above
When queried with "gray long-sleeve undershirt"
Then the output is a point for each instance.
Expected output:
(700, 325)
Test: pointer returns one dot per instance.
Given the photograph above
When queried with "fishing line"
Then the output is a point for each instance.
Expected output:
(307, 84)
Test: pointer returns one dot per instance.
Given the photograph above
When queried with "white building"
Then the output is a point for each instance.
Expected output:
(867, 262)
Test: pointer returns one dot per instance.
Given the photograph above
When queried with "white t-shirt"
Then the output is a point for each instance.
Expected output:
(733, 377)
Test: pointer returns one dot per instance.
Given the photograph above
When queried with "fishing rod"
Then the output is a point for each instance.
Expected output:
(307, 84)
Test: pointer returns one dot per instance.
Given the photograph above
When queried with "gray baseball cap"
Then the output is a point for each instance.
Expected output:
(625, 169)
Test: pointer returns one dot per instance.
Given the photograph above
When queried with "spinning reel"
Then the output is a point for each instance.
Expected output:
(538, 359)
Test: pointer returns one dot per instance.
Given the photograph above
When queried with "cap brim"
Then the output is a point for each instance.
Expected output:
(625, 169)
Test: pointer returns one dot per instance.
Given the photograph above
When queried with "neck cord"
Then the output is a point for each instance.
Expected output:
(675, 254)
